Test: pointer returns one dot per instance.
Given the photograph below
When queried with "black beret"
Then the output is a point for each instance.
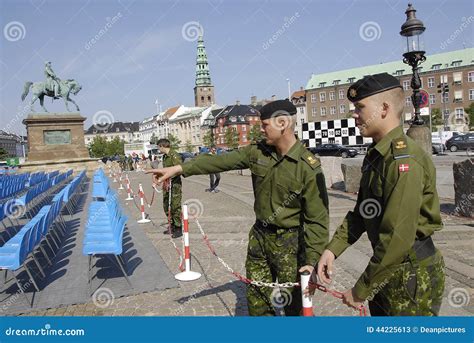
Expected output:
(370, 85)
(277, 108)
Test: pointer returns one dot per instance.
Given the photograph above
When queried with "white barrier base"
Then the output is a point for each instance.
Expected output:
(121, 187)
(143, 221)
(129, 198)
(187, 276)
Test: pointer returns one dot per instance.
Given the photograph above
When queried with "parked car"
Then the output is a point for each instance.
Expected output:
(437, 148)
(185, 156)
(334, 150)
(461, 142)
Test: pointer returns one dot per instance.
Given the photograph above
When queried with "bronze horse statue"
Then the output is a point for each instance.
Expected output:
(39, 91)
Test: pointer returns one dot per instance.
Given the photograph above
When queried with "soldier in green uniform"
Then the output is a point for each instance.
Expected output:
(171, 158)
(291, 206)
(397, 206)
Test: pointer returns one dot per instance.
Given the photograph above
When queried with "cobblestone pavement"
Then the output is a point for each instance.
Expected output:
(227, 217)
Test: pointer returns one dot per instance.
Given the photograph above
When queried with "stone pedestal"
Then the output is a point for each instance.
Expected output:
(55, 136)
(422, 135)
(351, 170)
(463, 173)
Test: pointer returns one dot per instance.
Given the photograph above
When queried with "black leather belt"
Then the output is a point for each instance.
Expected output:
(424, 248)
(264, 226)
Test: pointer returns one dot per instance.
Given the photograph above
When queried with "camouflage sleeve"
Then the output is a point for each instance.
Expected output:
(348, 232)
(316, 216)
(402, 195)
(207, 164)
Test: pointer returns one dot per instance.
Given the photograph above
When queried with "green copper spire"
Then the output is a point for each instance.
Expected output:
(203, 77)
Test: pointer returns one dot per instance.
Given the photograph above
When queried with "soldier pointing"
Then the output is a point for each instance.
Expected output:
(291, 204)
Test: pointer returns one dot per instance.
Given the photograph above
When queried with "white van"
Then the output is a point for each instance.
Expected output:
(443, 136)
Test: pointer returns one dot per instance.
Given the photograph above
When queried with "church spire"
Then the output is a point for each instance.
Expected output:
(203, 90)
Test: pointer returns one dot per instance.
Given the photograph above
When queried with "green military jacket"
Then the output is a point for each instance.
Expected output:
(397, 203)
(172, 159)
(289, 190)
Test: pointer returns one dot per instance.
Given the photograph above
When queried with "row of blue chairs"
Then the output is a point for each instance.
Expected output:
(43, 227)
(105, 226)
(12, 184)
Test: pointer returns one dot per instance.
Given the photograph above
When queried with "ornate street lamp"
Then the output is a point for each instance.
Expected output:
(412, 30)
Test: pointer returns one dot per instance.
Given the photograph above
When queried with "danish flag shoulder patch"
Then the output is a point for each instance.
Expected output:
(402, 168)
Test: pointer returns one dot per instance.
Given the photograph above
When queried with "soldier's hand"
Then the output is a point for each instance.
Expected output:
(325, 268)
(313, 280)
(162, 174)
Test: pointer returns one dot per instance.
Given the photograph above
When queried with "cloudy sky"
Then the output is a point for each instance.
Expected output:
(128, 54)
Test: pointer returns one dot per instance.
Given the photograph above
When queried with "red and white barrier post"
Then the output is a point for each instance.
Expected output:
(187, 275)
(120, 181)
(129, 190)
(142, 206)
(115, 177)
(307, 300)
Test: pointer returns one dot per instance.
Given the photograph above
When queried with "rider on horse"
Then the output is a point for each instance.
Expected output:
(52, 81)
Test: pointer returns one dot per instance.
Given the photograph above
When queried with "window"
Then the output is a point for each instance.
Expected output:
(457, 78)
(351, 79)
(432, 99)
(323, 111)
(430, 82)
(341, 93)
(399, 72)
(459, 113)
(407, 101)
(202, 98)
(470, 76)
(436, 66)
(443, 78)
(322, 96)
(331, 96)
(302, 110)
(458, 96)
(445, 98)
(336, 82)
(332, 110)
(313, 98)
(244, 138)
(471, 94)
(314, 111)
(342, 108)
(456, 63)
(322, 84)
(244, 128)
(406, 85)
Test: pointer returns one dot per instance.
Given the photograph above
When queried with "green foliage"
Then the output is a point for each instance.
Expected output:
(3, 154)
(188, 146)
(208, 139)
(231, 138)
(174, 141)
(100, 147)
(470, 114)
(255, 135)
(153, 139)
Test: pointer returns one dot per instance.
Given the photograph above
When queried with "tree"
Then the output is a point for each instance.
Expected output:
(470, 115)
(3, 154)
(98, 146)
(436, 119)
(188, 147)
(255, 135)
(115, 147)
(153, 139)
(208, 139)
(231, 138)
(174, 141)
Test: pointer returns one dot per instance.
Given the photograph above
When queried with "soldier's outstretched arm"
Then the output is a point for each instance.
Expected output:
(163, 174)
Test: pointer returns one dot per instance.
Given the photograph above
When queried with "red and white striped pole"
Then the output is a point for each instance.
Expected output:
(187, 275)
(307, 300)
(115, 177)
(120, 181)
(129, 190)
(142, 206)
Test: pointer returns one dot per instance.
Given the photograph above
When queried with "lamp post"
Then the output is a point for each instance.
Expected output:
(412, 30)
(289, 89)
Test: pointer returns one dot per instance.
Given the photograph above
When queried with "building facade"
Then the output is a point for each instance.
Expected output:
(203, 90)
(326, 93)
(298, 99)
(128, 132)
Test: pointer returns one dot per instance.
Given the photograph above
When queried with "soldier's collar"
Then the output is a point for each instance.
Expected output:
(383, 146)
(295, 151)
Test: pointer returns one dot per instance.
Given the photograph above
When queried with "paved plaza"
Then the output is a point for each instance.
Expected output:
(227, 216)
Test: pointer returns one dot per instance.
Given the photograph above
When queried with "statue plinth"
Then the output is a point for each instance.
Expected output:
(55, 136)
